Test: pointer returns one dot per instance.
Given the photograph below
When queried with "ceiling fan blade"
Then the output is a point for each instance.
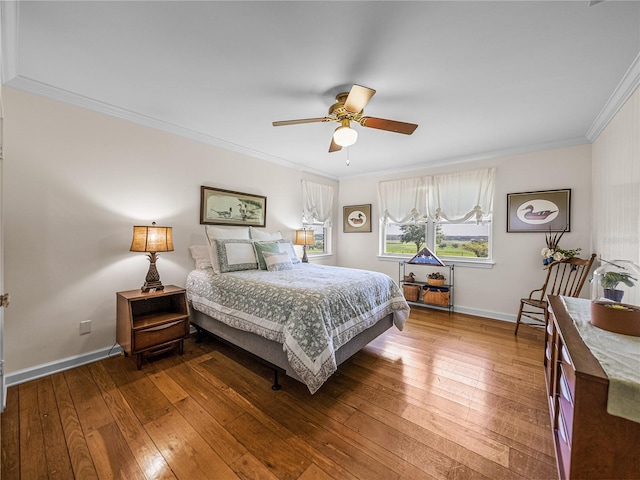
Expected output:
(334, 147)
(358, 98)
(389, 125)
(302, 120)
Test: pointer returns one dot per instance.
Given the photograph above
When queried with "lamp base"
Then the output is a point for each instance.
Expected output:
(152, 287)
(305, 259)
(152, 283)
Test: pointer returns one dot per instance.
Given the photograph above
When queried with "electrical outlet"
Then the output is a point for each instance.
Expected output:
(85, 327)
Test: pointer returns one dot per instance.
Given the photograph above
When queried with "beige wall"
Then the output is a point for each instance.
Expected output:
(491, 292)
(75, 182)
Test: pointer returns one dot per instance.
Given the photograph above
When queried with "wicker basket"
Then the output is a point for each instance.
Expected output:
(436, 296)
(411, 292)
(435, 282)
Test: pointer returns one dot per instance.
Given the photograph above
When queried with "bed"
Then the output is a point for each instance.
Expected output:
(305, 319)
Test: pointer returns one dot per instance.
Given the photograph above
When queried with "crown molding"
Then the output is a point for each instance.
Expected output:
(444, 162)
(42, 89)
(54, 93)
(9, 13)
(629, 83)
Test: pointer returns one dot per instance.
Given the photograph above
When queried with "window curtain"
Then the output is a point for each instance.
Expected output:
(317, 201)
(457, 197)
(403, 200)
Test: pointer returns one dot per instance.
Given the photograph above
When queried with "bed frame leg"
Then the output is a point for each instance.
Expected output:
(276, 385)
(199, 334)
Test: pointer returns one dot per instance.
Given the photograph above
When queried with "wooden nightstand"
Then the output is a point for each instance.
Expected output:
(152, 322)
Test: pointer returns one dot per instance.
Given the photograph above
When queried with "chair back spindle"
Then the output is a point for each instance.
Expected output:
(564, 278)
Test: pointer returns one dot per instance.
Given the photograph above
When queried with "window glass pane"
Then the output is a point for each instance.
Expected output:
(319, 233)
(468, 240)
(406, 239)
(446, 240)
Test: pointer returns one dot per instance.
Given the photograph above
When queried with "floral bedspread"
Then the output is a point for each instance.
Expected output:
(311, 309)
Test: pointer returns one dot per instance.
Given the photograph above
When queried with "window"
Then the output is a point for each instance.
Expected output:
(317, 209)
(321, 235)
(469, 240)
(453, 241)
(404, 239)
(448, 213)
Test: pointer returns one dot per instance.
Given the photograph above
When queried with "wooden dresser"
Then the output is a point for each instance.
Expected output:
(589, 443)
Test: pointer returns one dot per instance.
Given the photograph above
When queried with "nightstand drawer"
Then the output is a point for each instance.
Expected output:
(161, 334)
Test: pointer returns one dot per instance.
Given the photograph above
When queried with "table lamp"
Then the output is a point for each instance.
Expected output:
(152, 240)
(304, 237)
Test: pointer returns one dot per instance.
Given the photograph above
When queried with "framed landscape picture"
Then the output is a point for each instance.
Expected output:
(544, 211)
(357, 218)
(226, 207)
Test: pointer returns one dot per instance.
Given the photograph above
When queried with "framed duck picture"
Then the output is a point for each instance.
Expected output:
(357, 218)
(544, 211)
(226, 207)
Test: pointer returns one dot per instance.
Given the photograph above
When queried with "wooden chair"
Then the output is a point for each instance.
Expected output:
(565, 277)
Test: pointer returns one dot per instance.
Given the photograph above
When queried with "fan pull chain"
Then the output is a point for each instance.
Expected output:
(348, 161)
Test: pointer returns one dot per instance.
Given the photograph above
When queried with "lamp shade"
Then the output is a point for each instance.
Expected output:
(304, 237)
(345, 136)
(152, 239)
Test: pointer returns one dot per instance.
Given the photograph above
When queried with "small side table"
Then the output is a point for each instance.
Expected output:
(152, 322)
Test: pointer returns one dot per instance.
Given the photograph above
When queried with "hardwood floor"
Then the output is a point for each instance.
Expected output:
(449, 397)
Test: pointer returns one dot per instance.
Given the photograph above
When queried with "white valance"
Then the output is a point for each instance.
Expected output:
(317, 201)
(457, 197)
(403, 200)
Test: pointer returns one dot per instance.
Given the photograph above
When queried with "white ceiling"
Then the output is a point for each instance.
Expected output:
(480, 78)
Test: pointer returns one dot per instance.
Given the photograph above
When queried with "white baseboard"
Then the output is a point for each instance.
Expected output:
(43, 370)
(40, 371)
(505, 317)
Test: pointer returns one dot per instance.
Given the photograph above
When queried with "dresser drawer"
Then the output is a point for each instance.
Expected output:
(548, 366)
(568, 370)
(156, 336)
(564, 447)
(548, 354)
(565, 406)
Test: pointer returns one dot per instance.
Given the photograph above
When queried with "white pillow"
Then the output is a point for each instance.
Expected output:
(287, 246)
(214, 232)
(236, 254)
(277, 261)
(264, 235)
(200, 254)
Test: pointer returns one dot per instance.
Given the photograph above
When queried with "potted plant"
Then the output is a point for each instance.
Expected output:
(553, 253)
(610, 281)
(607, 310)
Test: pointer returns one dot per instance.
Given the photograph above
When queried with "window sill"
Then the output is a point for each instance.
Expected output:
(458, 263)
(313, 256)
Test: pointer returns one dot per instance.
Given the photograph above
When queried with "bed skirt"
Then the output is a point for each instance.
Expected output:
(273, 352)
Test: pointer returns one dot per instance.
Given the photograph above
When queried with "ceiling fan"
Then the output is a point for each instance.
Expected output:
(349, 107)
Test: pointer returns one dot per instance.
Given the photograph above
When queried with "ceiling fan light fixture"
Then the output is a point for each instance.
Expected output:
(345, 136)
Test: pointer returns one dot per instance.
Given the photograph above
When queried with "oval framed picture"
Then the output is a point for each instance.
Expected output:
(544, 211)
(357, 218)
